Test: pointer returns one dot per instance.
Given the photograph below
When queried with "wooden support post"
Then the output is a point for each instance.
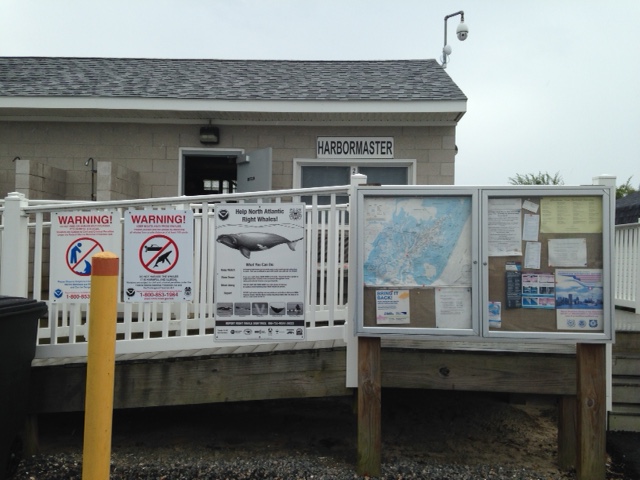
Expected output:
(567, 433)
(369, 407)
(592, 411)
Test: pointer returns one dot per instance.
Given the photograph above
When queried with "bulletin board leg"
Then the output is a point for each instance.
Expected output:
(369, 407)
(567, 432)
(592, 411)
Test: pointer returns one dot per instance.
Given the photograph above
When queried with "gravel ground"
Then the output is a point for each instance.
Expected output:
(425, 435)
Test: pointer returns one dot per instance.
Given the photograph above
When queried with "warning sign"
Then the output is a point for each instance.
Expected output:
(158, 254)
(75, 238)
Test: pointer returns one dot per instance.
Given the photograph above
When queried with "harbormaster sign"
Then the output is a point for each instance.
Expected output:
(355, 147)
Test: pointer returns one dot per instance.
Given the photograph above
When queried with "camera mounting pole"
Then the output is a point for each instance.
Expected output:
(462, 32)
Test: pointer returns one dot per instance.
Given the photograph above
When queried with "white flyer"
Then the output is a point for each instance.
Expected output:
(453, 307)
(505, 231)
(568, 252)
(259, 288)
(392, 307)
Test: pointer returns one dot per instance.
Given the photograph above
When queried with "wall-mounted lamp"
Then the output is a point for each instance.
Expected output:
(210, 135)
(462, 32)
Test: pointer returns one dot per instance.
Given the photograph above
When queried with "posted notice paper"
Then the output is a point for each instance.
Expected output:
(453, 307)
(505, 231)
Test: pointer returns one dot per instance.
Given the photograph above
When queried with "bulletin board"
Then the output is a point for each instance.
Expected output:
(526, 262)
(417, 248)
(546, 263)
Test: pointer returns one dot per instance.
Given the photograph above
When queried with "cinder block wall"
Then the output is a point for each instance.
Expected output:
(39, 181)
(117, 182)
(152, 150)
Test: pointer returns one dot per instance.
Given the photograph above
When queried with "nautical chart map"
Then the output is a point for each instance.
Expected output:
(417, 241)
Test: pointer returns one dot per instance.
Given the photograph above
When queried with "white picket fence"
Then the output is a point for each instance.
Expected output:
(151, 327)
(627, 267)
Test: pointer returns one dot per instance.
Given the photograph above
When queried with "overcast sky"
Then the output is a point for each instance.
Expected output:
(553, 85)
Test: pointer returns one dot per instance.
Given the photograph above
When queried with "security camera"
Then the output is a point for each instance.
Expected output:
(462, 31)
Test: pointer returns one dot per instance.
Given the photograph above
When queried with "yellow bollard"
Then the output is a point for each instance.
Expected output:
(98, 415)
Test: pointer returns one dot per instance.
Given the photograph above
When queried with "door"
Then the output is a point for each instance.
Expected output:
(254, 171)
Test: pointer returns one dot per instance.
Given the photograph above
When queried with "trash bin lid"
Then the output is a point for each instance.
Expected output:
(10, 306)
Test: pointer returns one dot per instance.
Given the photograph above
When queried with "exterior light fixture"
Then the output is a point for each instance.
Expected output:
(209, 135)
(462, 32)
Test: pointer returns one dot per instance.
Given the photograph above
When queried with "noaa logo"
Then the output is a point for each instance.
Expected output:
(295, 213)
(130, 292)
(223, 214)
(58, 293)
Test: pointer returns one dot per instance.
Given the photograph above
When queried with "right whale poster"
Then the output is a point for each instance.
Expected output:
(260, 277)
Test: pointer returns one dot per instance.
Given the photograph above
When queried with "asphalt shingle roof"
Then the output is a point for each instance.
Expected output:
(396, 80)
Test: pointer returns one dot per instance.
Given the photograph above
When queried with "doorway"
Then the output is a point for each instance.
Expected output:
(208, 175)
(214, 172)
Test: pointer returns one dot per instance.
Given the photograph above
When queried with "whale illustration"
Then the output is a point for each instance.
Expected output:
(254, 242)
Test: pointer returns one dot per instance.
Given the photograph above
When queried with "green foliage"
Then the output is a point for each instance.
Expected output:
(537, 179)
(625, 189)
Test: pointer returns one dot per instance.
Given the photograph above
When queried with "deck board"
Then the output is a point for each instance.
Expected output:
(312, 368)
(298, 369)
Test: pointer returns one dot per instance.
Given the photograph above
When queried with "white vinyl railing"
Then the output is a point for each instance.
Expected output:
(627, 267)
(150, 327)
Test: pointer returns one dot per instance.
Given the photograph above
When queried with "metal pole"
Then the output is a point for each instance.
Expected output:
(100, 366)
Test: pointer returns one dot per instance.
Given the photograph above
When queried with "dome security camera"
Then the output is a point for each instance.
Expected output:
(462, 31)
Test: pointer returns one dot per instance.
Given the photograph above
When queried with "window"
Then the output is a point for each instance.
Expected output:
(323, 173)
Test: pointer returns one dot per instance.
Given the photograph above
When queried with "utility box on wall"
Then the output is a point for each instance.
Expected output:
(526, 262)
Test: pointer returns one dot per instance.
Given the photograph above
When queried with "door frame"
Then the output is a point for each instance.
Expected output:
(201, 152)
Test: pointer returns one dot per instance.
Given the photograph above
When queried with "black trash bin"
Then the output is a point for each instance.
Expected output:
(18, 326)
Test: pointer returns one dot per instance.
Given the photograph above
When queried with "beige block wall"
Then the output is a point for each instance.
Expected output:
(39, 181)
(151, 151)
(116, 182)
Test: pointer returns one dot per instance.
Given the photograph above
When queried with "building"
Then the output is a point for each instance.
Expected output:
(628, 209)
(119, 128)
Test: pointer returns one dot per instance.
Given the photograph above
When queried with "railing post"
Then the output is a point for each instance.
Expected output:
(15, 247)
(350, 325)
(637, 270)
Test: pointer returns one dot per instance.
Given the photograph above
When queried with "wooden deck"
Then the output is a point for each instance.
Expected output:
(317, 369)
(303, 369)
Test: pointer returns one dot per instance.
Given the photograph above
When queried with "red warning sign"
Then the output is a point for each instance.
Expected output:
(158, 254)
(79, 253)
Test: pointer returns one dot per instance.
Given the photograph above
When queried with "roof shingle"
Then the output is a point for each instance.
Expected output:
(394, 80)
